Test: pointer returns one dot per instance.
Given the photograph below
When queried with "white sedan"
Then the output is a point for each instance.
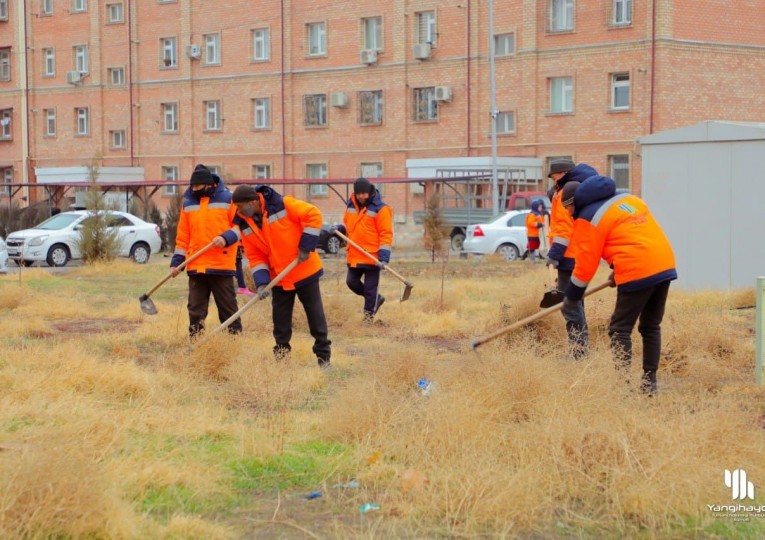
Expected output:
(505, 236)
(56, 240)
(3, 257)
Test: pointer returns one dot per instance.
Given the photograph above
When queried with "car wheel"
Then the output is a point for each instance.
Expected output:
(457, 242)
(140, 253)
(333, 245)
(58, 255)
(508, 252)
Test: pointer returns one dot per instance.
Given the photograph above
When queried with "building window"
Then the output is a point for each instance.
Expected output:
(372, 170)
(261, 172)
(47, 7)
(261, 44)
(5, 64)
(315, 110)
(49, 63)
(317, 170)
(212, 49)
(6, 116)
(371, 28)
(620, 91)
(619, 166)
(425, 104)
(50, 122)
(371, 107)
(170, 117)
(425, 32)
(170, 174)
(116, 76)
(81, 59)
(3, 10)
(212, 115)
(169, 52)
(79, 6)
(417, 188)
(82, 114)
(504, 44)
(561, 15)
(261, 113)
(561, 95)
(7, 176)
(505, 122)
(118, 138)
(115, 13)
(622, 12)
(317, 39)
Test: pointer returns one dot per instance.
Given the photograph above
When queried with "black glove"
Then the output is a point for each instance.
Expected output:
(552, 262)
(303, 255)
(263, 293)
(569, 303)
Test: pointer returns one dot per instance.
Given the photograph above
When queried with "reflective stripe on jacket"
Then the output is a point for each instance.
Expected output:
(370, 226)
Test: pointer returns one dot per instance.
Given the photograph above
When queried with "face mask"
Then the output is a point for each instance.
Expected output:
(199, 193)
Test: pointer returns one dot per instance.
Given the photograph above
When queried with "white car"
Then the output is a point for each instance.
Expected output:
(56, 240)
(505, 236)
(3, 257)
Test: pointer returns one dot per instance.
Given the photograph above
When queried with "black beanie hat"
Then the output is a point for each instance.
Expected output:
(567, 193)
(201, 175)
(362, 185)
(244, 193)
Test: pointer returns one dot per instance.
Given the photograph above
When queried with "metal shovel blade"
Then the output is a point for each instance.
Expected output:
(552, 297)
(407, 292)
(147, 305)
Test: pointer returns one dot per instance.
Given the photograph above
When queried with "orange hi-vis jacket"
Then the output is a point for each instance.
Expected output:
(287, 225)
(371, 227)
(534, 222)
(621, 230)
(201, 220)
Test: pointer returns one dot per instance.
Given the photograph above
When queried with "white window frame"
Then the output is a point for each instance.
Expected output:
(261, 171)
(504, 44)
(561, 95)
(261, 44)
(170, 117)
(49, 62)
(561, 15)
(116, 76)
(622, 15)
(430, 111)
(618, 84)
(82, 118)
(212, 115)
(616, 163)
(169, 48)
(426, 27)
(170, 173)
(5, 64)
(118, 139)
(372, 30)
(81, 59)
(50, 122)
(46, 7)
(320, 103)
(505, 122)
(7, 180)
(212, 49)
(372, 169)
(317, 170)
(115, 13)
(316, 39)
(6, 124)
(261, 113)
(375, 97)
(79, 6)
(3, 10)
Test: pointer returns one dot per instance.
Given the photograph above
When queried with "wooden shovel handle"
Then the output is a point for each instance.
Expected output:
(365, 252)
(553, 277)
(180, 267)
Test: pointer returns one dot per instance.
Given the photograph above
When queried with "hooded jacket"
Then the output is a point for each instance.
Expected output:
(561, 223)
(201, 220)
(272, 242)
(620, 229)
(535, 220)
(370, 226)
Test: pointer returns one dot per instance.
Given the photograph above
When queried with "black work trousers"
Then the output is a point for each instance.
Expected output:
(647, 304)
(222, 290)
(576, 320)
(283, 303)
(366, 288)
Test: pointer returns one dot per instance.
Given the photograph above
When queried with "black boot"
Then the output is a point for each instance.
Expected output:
(380, 302)
(648, 383)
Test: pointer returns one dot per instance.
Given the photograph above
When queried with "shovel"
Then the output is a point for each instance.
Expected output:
(147, 304)
(407, 284)
(248, 305)
(554, 295)
(523, 322)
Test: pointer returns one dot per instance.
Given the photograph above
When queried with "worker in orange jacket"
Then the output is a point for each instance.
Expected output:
(368, 221)
(562, 251)
(206, 216)
(621, 229)
(275, 230)
(535, 221)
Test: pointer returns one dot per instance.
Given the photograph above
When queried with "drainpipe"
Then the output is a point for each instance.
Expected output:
(26, 139)
(130, 79)
(281, 77)
(467, 75)
(653, 65)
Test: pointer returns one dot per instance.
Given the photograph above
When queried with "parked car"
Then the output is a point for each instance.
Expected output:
(56, 240)
(3, 257)
(505, 236)
(329, 243)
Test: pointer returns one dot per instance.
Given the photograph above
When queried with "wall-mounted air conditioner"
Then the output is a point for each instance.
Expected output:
(73, 77)
(193, 51)
(443, 93)
(339, 100)
(421, 51)
(368, 56)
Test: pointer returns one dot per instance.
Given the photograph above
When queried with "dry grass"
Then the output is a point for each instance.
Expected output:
(111, 427)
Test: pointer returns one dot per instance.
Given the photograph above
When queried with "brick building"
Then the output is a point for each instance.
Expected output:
(295, 89)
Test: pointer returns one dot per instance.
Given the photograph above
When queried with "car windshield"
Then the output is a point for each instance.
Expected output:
(57, 222)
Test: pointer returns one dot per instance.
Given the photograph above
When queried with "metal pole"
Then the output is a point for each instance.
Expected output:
(494, 114)
(759, 330)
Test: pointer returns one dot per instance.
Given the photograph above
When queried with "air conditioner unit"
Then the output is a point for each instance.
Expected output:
(339, 99)
(368, 56)
(443, 93)
(193, 51)
(73, 77)
(421, 51)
